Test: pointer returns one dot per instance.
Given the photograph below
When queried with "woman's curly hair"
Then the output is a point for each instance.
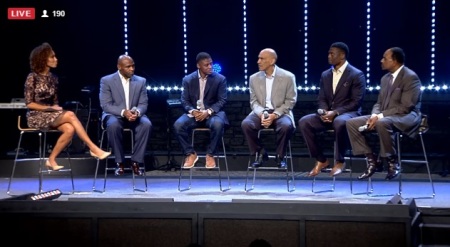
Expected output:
(39, 56)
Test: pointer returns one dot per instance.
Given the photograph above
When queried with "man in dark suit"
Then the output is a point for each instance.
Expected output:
(342, 89)
(123, 99)
(203, 98)
(273, 95)
(397, 109)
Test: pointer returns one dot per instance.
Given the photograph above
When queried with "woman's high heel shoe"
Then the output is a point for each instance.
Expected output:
(101, 157)
(54, 168)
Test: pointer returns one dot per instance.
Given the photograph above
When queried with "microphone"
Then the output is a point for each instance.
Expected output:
(266, 114)
(133, 110)
(199, 104)
(321, 112)
(363, 128)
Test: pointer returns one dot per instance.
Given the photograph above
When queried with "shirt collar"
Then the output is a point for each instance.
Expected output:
(122, 78)
(272, 75)
(199, 76)
(395, 74)
(341, 69)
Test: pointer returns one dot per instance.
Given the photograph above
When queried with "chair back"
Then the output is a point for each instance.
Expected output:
(21, 128)
(424, 127)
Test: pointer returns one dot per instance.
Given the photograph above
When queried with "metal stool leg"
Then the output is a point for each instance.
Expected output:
(333, 185)
(224, 156)
(142, 168)
(181, 175)
(370, 189)
(246, 176)
(8, 191)
(43, 169)
(218, 157)
(290, 179)
(424, 161)
(97, 165)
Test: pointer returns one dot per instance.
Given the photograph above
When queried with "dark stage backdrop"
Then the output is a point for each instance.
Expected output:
(90, 37)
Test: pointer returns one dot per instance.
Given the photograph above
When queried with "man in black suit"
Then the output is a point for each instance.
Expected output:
(397, 109)
(203, 98)
(342, 89)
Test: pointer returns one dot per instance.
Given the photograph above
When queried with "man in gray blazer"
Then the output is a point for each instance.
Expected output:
(342, 89)
(397, 109)
(273, 95)
(124, 101)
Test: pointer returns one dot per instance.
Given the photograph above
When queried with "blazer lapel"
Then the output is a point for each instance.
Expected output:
(262, 87)
(341, 81)
(277, 84)
(118, 85)
(328, 87)
(208, 84)
(132, 90)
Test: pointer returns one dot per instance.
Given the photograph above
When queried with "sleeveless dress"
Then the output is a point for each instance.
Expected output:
(41, 89)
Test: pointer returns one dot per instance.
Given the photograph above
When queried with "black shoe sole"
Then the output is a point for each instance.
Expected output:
(390, 177)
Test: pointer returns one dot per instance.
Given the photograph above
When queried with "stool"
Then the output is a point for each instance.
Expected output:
(42, 169)
(349, 164)
(290, 179)
(217, 157)
(114, 168)
(421, 129)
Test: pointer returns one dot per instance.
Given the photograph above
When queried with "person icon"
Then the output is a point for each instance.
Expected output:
(44, 13)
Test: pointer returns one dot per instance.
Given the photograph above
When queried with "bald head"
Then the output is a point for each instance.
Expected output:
(270, 53)
(123, 58)
(266, 60)
(125, 65)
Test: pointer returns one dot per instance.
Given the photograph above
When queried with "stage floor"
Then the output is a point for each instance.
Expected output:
(269, 185)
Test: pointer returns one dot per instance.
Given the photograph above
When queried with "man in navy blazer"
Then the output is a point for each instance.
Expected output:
(341, 93)
(203, 98)
(124, 101)
(273, 95)
(397, 109)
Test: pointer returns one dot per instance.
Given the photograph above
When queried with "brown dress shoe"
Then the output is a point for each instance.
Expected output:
(319, 166)
(210, 162)
(136, 169)
(338, 168)
(190, 160)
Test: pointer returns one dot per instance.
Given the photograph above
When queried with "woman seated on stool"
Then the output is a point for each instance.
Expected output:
(44, 112)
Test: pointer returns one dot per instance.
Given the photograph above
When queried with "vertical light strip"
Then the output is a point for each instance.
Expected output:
(185, 38)
(368, 25)
(433, 38)
(244, 14)
(125, 25)
(305, 33)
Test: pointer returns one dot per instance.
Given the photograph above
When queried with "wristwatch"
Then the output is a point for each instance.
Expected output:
(210, 111)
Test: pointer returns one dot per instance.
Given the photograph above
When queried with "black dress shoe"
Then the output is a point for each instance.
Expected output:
(119, 169)
(393, 170)
(137, 171)
(281, 163)
(373, 166)
(261, 156)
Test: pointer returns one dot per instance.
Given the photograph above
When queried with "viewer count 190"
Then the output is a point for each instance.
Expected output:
(29, 13)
